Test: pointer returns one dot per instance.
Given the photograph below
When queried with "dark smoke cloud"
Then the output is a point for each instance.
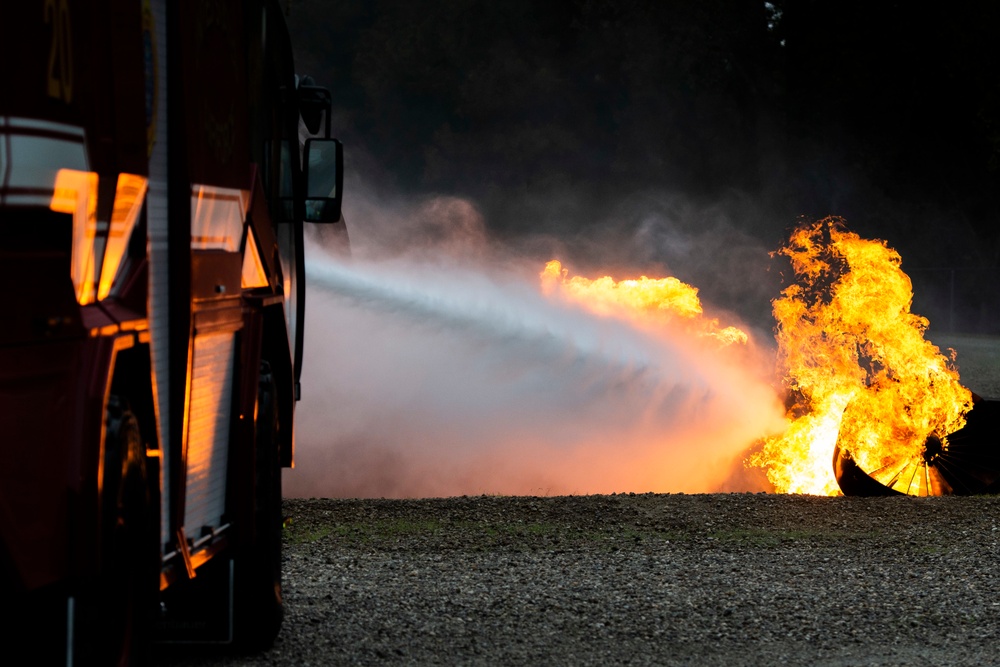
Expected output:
(566, 121)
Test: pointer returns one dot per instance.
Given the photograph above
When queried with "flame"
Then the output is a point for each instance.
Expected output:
(646, 300)
(856, 365)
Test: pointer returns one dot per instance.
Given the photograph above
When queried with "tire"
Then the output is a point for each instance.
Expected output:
(259, 609)
(117, 610)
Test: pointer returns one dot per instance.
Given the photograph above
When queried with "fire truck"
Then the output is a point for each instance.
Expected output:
(159, 160)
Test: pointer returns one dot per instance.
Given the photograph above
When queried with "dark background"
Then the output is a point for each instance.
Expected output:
(686, 135)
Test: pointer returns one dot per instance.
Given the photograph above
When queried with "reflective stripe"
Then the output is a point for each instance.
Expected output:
(75, 192)
(32, 153)
(45, 164)
(217, 216)
(42, 126)
(253, 269)
(129, 194)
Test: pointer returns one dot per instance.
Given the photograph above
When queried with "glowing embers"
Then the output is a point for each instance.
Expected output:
(643, 300)
(862, 380)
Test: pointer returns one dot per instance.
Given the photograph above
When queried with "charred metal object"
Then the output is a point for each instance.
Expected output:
(966, 463)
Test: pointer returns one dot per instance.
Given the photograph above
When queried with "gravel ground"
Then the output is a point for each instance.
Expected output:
(978, 361)
(723, 579)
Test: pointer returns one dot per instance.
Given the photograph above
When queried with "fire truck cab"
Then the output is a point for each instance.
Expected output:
(158, 162)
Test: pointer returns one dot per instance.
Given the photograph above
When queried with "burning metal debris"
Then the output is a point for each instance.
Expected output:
(867, 390)
(966, 462)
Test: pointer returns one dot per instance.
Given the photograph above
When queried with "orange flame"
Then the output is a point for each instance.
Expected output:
(643, 299)
(856, 365)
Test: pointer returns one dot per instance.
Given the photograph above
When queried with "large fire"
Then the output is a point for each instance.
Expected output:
(647, 300)
(857, 369)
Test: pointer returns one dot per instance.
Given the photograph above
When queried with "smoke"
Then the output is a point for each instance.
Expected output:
(434, 366)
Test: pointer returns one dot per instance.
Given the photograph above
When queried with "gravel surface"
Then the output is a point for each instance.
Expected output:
(723, 579)
(978, 361)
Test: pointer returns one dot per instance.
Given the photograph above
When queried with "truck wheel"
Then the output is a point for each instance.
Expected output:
(257, 573)
(117, 612)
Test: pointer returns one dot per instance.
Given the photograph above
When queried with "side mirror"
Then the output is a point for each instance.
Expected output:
(323, 164)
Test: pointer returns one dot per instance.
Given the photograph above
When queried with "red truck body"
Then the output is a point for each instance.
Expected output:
(152, 199)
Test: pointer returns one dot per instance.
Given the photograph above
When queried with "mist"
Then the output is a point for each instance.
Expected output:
(434, 366)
